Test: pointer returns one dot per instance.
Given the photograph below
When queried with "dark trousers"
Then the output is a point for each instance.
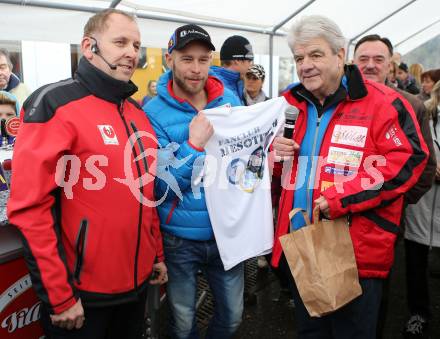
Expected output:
(356, 320)
(416, 258)
(110, 322)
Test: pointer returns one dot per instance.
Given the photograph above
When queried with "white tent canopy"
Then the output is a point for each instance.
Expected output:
(408, 23)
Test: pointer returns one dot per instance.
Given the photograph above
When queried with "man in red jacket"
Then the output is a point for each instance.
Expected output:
(90, 236)
(356, 149)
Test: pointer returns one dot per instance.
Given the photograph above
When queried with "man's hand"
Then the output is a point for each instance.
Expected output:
(323, 206)
(160, 274)
(71, 318)
(284, 148)
(200, 130)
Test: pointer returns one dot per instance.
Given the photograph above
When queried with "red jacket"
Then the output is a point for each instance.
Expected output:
(96, 240)
(372, 120)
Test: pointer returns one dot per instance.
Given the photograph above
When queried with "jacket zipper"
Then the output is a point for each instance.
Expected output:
(309, 203)
(79, 249)
(141, 188)
(312, 158)
(323, 138)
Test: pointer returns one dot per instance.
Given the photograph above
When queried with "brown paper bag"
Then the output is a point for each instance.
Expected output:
(322, 262)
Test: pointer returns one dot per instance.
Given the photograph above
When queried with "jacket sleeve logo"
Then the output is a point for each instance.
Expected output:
(108, 135)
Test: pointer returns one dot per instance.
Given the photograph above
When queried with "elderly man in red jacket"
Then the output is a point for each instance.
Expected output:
(356, 150)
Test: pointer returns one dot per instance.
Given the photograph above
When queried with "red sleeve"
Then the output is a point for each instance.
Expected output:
(404, 153)
(39, 146)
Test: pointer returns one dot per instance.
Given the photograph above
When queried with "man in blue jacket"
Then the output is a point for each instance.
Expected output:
(236, 57)
(183, 131)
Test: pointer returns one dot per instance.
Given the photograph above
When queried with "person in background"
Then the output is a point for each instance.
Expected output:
(373, 57)
(189, 242)
(9, 107)
(152, 92)
(236, 56)
(92, 245)
(335, 102)
(397, 58)
(416, 71)
(406, 81)
(429, 78)
(10, 82)
(253, 85)
(422, 232)
(391, 76)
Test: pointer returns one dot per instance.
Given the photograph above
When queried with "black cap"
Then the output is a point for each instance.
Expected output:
(185, 34)
(236, 47)
(403, 67)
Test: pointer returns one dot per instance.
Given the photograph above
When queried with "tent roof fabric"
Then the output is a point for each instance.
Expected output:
(407, 23)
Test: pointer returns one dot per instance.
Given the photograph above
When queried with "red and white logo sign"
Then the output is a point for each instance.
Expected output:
(12, 126)
(108, 135)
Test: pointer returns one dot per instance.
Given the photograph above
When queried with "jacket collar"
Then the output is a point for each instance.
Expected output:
(353, 83)
(103, 85)
(227, 74)
(14, 81)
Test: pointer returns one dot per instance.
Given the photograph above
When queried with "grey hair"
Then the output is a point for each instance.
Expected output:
(316, 26)
(5, 53)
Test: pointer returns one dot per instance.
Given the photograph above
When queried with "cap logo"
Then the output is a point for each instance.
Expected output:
(249, 53)
(192, 31)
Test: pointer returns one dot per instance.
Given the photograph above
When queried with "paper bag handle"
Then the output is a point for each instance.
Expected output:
(295, 211)
(316, 214)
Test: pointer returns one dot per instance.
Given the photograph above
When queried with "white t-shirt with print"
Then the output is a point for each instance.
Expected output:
(236, 178)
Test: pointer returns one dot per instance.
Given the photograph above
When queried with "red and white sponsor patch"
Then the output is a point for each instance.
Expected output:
(108, 135)
(12, 126)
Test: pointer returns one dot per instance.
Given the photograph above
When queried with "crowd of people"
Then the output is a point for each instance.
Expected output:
(93, 242)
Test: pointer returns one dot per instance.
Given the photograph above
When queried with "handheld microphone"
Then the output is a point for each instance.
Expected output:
(95, 50)
(4, 132)
(291, 116)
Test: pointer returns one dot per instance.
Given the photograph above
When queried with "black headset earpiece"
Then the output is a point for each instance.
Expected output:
(94, 48)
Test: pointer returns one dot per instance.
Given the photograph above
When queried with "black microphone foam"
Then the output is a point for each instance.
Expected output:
(291, 115)
(3, 128)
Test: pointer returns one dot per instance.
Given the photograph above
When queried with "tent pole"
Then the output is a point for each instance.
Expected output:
(375, 25)
(416, 33)
(114, 3)
(274, 32)
(82, 8)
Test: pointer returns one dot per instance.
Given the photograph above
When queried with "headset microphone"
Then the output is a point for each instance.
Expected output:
(95, 50)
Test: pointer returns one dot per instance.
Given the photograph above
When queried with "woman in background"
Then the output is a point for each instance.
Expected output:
(429, 78)
(152, 92)
(416, 71)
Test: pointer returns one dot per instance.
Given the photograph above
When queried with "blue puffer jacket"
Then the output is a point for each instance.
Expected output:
(231, 80)
(183, 211)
